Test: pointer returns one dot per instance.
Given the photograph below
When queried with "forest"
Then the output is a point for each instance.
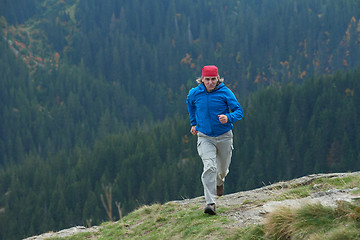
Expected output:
(92, 100)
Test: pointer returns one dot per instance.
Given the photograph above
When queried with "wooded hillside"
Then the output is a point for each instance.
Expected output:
(92, 97)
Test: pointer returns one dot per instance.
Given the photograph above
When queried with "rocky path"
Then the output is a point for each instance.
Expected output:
(251, 207)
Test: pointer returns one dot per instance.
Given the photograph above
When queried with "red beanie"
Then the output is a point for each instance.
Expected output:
(210, 71)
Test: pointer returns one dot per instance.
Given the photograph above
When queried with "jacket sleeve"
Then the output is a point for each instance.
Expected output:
(237, 112)
(191, 107)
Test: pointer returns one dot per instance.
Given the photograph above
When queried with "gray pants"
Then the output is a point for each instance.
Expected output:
(215, 153)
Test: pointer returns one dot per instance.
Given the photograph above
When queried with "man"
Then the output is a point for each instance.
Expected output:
(213, 109)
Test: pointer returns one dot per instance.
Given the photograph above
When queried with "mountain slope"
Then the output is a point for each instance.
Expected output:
(83, 81)
(242, 215)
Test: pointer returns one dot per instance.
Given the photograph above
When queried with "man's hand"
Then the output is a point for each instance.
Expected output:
(223, 118)
(193, 130)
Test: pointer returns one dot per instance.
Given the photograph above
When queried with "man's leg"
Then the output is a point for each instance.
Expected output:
(207, 152)
(224, 153)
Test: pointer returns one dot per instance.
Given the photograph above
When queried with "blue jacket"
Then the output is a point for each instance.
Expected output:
(205, 107)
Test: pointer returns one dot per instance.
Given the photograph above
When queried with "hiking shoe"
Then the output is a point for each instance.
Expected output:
(220, 190)
(210, 209)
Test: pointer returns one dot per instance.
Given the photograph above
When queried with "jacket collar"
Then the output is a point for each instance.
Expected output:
(203, 88)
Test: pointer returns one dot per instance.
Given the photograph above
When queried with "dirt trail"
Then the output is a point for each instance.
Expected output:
(251, 207)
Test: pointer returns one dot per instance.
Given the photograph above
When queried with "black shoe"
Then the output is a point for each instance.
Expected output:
(210, 209)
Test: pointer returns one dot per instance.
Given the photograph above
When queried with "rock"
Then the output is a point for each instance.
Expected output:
(64, 233)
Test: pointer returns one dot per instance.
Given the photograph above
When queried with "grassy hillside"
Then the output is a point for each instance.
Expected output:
(311, 219)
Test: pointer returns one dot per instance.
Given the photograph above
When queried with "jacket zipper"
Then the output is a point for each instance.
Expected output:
(208, 108)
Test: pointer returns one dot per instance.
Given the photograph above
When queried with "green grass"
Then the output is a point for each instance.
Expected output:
(176, 221)
(168, 221)
(314, 221)
(253, 232)
(320, 184)
(76, 237)
(173, 221)
(340, 183)
(294, 193)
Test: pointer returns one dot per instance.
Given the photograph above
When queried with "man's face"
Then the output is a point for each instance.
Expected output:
(210, 83)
